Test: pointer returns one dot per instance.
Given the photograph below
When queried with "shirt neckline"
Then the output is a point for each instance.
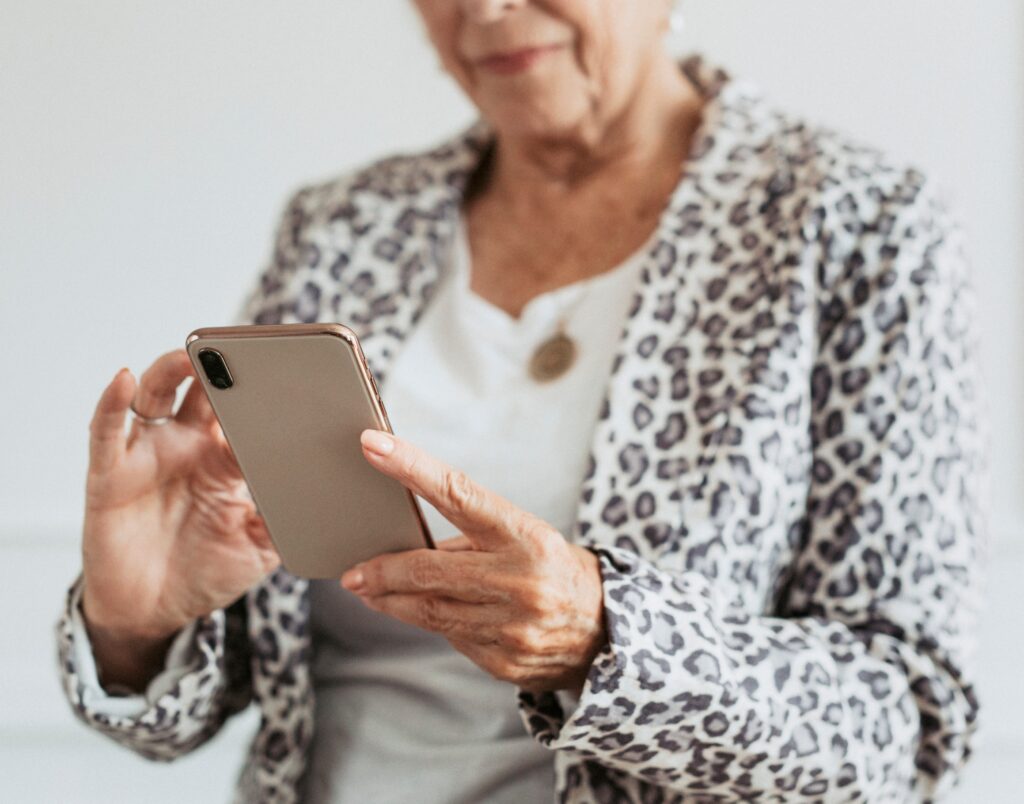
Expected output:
(544, 306)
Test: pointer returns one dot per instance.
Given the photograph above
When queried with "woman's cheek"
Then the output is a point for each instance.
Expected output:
(440, 21)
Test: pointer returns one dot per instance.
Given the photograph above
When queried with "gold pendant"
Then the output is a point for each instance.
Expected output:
(553, 357)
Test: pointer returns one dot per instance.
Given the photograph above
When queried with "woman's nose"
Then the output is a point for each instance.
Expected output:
(487, 11)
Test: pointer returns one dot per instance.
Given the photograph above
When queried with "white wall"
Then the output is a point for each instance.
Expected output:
(145, 152)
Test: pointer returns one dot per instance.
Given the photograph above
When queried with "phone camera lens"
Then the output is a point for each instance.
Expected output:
(216, 368)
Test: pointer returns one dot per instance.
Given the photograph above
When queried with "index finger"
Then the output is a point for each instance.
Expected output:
(475, 510)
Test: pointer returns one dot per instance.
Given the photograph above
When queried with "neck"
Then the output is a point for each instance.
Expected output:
(648, 131)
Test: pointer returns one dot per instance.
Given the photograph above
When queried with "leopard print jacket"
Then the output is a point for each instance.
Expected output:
(785, 490)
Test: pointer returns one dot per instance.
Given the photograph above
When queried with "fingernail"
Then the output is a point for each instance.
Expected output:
(377, 441)
(352, 580)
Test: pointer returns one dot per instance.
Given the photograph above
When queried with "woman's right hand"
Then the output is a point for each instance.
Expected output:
(170, 531)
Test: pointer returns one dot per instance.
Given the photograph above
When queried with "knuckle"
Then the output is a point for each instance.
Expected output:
(523, 638)
(422, 572)
(459, 491)
(545, 542)
(373, 575)
(432, 614)
(536, 598)
(410, 464)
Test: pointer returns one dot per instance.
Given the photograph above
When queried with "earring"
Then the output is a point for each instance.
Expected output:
(676, 18)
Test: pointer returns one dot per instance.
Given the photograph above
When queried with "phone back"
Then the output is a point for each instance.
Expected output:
(300, 397)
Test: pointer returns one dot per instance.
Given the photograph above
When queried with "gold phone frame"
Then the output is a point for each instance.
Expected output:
(244, 425)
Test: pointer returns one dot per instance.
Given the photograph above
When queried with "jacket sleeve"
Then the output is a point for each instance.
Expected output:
(115, 701)
(205, 680)
(207, 674)
(860, 684)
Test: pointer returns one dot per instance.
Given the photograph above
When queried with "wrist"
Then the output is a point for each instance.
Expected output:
(592, 609)
(113, 628)
(126, 660)
(101, 633)
(124, 664)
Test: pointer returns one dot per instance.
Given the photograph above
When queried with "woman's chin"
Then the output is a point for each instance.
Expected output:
(537, 123)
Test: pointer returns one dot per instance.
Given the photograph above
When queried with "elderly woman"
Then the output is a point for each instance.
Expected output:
(688, 388)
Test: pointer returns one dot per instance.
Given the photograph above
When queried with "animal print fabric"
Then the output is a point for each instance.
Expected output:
(786, 484)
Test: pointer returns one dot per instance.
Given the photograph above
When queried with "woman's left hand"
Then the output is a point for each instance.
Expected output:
(509, 592)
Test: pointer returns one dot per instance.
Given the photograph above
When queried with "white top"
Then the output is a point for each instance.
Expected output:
(392, 696)
(461, 390)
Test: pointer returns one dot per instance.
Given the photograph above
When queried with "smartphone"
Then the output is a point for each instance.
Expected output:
(292, 400)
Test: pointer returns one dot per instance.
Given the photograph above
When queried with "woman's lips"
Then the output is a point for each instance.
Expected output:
(515, 61)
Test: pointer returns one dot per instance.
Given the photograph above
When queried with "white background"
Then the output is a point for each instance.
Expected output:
(146, 150)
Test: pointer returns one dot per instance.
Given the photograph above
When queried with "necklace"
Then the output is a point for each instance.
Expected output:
(556, 354)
